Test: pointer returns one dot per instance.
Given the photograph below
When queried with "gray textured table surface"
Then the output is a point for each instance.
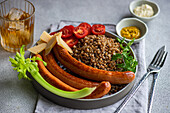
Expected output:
(20, 96)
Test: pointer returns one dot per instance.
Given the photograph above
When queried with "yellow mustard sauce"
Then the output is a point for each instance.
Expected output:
(130, 32)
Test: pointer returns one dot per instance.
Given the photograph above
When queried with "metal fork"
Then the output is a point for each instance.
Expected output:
(154, 67)
(151, 95)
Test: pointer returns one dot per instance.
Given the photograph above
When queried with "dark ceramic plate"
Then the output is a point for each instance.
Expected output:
(86, 103)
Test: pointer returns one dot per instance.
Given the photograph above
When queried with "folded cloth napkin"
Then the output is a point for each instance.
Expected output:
(138, 104)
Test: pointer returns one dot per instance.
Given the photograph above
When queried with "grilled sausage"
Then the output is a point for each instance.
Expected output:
(114, 77)
(67, 78)
(100, 91)
(52, 79)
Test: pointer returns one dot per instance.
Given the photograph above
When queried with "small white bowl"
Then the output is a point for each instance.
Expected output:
(127, 22)
(136, 3)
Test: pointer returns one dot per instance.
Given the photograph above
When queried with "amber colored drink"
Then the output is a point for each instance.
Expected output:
(16, 25)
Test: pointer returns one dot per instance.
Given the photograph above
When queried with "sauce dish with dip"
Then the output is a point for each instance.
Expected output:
(131, 26)
(144, 10)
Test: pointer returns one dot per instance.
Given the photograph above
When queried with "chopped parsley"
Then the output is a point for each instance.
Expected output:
(129, 63)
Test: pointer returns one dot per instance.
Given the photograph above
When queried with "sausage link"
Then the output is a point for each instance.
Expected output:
(114, 77)
(103, 88)
(52, 79)
(67, 78)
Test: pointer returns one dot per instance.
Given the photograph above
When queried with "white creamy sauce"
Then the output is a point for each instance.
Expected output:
(144, 10)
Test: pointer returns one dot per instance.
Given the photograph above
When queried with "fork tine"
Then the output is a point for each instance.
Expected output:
(160, 57)
(162, 63)
(155, 57)
(157, 54)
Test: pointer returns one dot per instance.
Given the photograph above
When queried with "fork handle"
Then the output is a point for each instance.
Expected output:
(152, 92)
(131, 93)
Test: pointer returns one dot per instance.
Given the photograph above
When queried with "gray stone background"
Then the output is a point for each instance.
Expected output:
(20, 96)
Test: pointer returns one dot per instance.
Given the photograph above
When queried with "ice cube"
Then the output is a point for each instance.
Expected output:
(16, 26)
(15, 14)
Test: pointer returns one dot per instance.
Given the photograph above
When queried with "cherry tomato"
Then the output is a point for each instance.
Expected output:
(67, 31)
(71, 41)
(98, 29)
(80, 32)
(87, 26)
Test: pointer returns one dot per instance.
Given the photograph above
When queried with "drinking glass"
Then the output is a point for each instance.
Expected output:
(16, 24)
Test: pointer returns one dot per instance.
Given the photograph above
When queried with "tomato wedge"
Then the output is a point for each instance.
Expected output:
(80, 32)
(87, 26)
(67, 31)
(71, 41)
(98, 29)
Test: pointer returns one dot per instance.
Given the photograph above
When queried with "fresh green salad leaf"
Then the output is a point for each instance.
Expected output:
(129, 63)
(23, 65)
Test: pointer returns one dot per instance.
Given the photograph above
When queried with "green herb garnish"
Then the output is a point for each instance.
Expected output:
(23, 65)
(129, 63)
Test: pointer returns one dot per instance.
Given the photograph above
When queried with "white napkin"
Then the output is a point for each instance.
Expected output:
(139, 102)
